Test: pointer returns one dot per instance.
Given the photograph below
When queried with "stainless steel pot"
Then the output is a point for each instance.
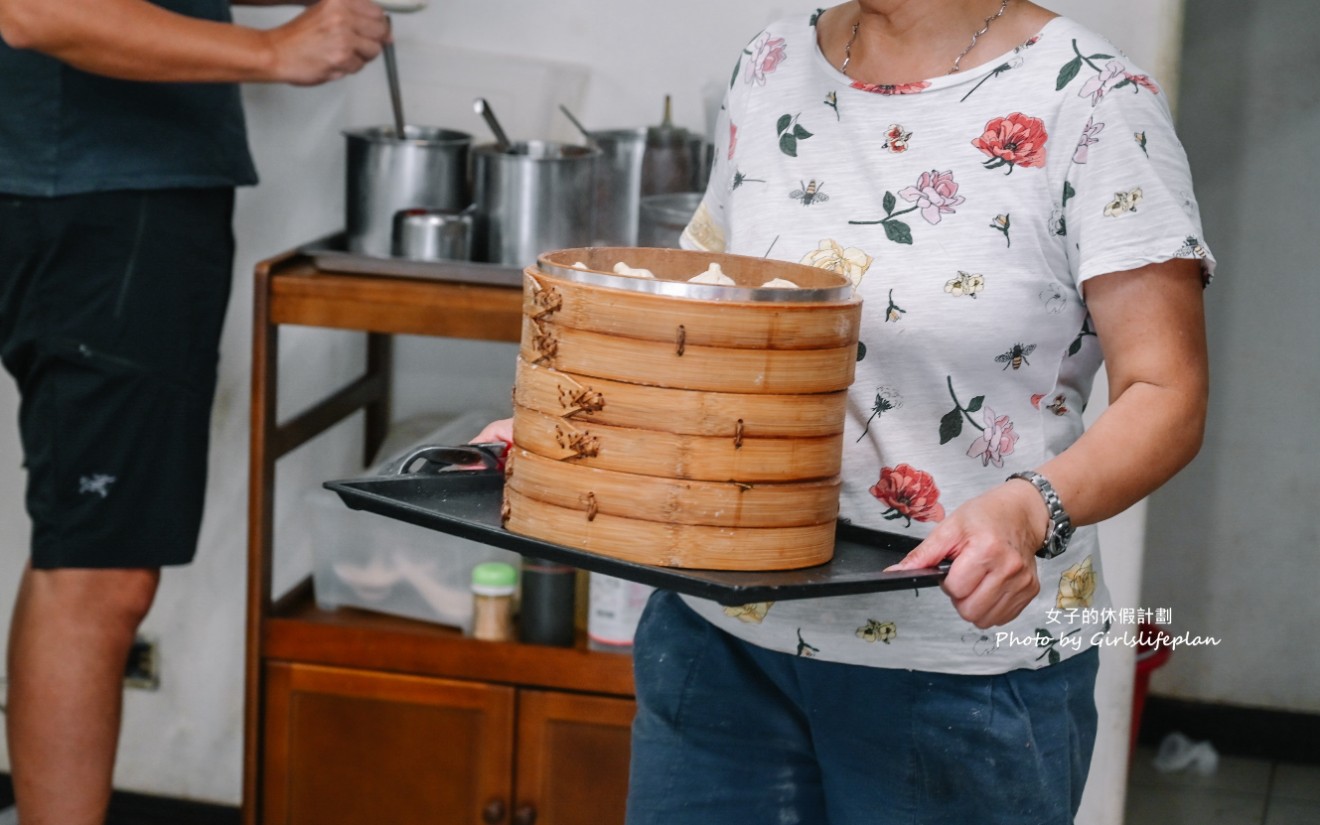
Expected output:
(427, 169)
(662, 218)
(618, 185)
(534, 197)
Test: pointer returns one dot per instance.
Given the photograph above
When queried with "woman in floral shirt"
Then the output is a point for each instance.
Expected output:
(1008, 223)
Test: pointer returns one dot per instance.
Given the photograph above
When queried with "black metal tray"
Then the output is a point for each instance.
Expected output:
(466, 503)
(331, 254)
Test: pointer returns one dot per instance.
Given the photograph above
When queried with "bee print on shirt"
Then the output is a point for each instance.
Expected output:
(1016, 356)
(1191, 248)
(809, 192)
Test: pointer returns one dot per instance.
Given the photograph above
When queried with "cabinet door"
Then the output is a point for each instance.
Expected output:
(347, 747)
(572, 766)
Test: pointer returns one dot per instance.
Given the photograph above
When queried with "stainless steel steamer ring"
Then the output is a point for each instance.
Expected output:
(825, 286)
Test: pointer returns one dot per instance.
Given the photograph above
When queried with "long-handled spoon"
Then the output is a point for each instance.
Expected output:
(586, 133)
(396, 97)
(481, 107)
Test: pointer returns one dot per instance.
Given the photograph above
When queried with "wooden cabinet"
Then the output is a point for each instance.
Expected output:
(350, 746)
(572, 758)
(355, 718)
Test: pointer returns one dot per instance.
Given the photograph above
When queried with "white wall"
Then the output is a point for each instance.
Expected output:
(612, 62)
(1233, 551)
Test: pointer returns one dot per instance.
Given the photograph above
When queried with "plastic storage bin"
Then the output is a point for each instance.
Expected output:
(370, 562)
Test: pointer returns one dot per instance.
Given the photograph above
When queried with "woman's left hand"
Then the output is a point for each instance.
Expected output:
(992, 540)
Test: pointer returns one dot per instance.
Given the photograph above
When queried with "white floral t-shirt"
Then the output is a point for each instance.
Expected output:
(968, 210)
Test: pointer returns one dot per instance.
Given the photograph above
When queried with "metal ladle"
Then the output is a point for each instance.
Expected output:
(481, 107)
(392, 72)
(586, 133)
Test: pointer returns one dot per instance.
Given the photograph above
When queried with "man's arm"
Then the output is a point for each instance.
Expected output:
(135, 40)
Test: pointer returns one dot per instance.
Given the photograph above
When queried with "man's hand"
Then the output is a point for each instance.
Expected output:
(330, 40)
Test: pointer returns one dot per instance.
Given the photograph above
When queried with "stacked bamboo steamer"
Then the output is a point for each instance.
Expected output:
(679, 424)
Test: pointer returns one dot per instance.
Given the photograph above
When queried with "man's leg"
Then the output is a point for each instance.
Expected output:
(69, 641)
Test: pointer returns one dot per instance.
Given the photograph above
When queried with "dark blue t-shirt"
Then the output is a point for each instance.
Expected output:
(64, 131)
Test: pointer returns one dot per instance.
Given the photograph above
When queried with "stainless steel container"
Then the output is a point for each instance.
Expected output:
(662, 218)
(433, 234)
(534, 197)
(427, 169)
(618, 186)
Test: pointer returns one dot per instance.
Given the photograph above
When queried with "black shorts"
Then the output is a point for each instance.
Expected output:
(111, 306)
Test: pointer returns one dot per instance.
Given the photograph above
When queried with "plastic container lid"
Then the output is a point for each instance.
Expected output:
(494, 578)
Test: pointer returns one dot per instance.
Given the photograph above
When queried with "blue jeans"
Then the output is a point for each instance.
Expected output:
(727, 732)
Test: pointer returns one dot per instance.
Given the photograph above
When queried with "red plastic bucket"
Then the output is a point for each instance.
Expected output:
(1152, 652)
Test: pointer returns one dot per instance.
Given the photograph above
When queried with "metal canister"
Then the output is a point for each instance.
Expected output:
(535, 197)
(433, 234)
(618, 186)
(426, 169)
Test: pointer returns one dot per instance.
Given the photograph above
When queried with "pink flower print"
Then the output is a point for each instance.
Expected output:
(1013, 140)
(767, 53)
(733, 138)
(1088, 139)
(995, 441)
(936, 194)
(1095, 88)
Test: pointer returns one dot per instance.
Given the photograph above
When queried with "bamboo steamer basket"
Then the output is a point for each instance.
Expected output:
(680, 424)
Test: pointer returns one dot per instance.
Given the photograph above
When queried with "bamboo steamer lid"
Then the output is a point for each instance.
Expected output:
(681, 424)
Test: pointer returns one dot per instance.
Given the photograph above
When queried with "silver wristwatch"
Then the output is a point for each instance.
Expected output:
(1060, 528)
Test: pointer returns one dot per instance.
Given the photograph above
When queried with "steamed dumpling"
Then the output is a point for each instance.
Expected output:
(714, 276)
(623, 269)
(580, 265)
(779, 283)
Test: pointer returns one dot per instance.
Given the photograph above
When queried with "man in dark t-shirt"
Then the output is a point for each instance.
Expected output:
(121, 141)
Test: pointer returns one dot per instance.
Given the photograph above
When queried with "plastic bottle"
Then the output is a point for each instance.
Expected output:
(493, 586)
(547, 603)
(616, 607)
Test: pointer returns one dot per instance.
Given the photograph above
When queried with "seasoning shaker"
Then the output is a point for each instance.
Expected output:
(493, 586)
(547, 603)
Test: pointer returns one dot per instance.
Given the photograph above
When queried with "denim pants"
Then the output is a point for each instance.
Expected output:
(727, 732)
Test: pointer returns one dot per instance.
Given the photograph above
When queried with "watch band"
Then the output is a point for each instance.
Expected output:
(1060, 529)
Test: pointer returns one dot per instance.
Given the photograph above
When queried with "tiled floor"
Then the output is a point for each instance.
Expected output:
(1241, 792)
